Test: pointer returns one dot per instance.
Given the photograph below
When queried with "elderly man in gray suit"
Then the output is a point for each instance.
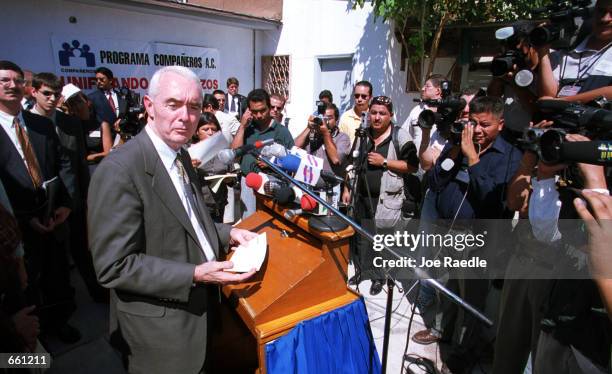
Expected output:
(153, 241)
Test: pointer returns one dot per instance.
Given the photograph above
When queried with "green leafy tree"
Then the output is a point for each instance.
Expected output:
(428, 18)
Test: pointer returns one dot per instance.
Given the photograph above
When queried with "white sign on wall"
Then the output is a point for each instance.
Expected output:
(132, 63)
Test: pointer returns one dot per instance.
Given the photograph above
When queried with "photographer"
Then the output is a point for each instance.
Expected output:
(379, 195)
(570, 325)
(585, 73)
(431, 90)
(519, 100)
(323, 139)
(470, 178)
(351, 119)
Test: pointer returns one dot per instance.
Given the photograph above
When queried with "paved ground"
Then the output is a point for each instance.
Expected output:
(93, 354)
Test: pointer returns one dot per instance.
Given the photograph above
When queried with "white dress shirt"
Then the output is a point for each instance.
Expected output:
(6, 120)
(167, 156)
(544, 209)
(113, 95)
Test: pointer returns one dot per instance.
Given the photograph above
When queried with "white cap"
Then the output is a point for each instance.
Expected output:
(70, 90)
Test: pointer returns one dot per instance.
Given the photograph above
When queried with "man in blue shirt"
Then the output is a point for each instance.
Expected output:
(470, 179)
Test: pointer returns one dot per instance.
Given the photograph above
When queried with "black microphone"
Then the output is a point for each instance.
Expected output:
(228, 156)
(553, 105)
(594, 152)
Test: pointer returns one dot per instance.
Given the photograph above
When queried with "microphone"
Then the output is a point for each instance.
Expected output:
(228, 156)
(262, 183)
(588, 152)
(288, 194)
(291, 163)
(274, 150)
(307, 204)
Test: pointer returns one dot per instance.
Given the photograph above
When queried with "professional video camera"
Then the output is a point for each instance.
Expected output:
(131, 122)
(562, 26)
(449, 109)
(510, 38)
(569, 118)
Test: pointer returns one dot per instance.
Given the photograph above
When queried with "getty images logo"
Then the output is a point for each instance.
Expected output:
(76, 55)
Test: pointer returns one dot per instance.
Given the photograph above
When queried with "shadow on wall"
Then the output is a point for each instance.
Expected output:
(378, 55)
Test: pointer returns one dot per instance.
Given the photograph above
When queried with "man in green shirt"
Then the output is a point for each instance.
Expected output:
(257, 124)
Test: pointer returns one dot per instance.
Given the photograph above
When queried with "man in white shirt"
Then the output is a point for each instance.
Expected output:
(431, 90)
(235, 103)
(153, 241)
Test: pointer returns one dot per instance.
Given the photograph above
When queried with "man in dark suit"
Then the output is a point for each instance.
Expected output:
(30, 166)
(71, 129)
(235, 103)
(153, 241)
(108, 105)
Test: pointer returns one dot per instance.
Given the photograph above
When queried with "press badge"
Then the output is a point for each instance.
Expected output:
(569, 90)
(94, 134)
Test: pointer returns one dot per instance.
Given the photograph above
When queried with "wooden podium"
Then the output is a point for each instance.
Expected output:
(304, 275)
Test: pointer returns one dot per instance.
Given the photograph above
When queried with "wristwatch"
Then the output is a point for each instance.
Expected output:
(385, 164)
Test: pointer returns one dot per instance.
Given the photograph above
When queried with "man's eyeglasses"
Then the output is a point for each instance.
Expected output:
(7, 81)
(363, 96)
(381, 100)
(279, 108)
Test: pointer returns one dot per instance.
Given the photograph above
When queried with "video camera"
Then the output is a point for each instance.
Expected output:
(320, 118)
(570, 118)
(131, 122)
(562, 26)
(510, 38)
(449, 109)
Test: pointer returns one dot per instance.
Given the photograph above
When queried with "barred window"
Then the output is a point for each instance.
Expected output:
(275, 74)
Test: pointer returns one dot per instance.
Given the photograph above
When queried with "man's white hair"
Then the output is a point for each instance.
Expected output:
(179, 70)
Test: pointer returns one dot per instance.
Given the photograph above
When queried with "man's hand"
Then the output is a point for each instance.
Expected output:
(241, 236)
(246, 118)
(213, 272)
(467, 144)
(41, 228)
(375, 159)
(27, 326)
(195, 162)
(61, 214)
(599, 226)
(346, 196)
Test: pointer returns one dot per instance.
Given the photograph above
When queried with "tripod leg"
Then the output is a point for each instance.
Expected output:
(387, 330)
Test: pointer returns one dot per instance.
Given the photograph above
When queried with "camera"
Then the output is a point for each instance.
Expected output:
(449, 109)
(321, 107)
(131, 122)
(562, 26)
(571, 118)
(510, 38)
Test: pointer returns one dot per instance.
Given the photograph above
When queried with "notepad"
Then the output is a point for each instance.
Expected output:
(250, 255)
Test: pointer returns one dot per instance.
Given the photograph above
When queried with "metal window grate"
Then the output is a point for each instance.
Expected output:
(275, 74)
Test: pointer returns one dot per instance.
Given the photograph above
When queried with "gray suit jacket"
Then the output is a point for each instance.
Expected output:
(145, 249)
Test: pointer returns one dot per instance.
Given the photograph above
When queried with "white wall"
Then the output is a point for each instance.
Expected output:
(31, 23)
(319, 28)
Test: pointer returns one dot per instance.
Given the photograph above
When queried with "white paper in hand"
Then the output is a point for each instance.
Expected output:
(207, 149)
(250, 255)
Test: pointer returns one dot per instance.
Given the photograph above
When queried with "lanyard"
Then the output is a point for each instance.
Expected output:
(581, 72)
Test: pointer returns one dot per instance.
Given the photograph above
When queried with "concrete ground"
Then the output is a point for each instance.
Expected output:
(93, 354)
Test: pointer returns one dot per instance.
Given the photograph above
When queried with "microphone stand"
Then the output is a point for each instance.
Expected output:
(421, 274)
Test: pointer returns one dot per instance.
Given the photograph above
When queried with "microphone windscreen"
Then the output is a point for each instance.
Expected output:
(284, 195)
(254, 180)
(307, 203)
(290, 163)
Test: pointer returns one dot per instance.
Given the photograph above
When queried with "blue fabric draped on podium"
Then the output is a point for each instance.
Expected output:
(336, 342)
